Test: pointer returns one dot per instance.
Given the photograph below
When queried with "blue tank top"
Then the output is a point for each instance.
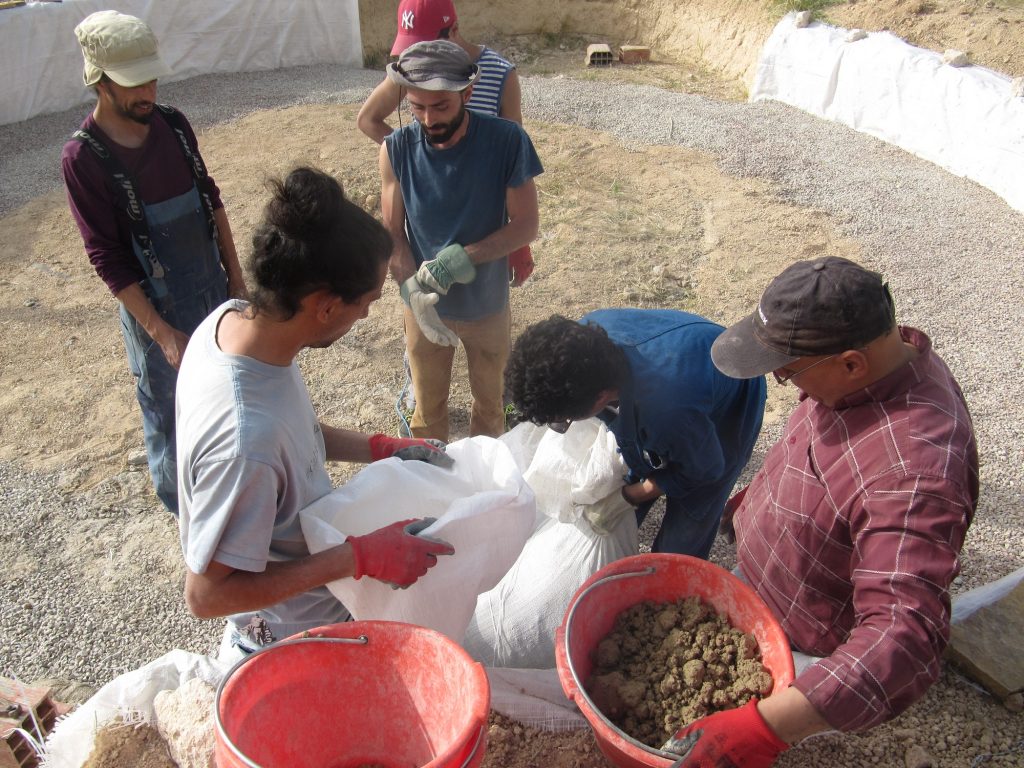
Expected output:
(487, 90)
(457, 195)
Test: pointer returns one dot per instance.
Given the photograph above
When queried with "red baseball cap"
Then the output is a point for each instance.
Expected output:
(422, 20)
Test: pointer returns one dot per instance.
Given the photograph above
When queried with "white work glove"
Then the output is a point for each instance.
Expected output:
(422, 305)
(451, 265)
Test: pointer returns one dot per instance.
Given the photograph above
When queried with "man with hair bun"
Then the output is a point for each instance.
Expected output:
(251, 450)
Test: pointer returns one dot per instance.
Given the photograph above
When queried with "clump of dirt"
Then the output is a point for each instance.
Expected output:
(511, 744)
(665, 665)
(127, 745)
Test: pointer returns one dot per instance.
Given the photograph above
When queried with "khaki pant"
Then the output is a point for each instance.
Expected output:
(487, 343)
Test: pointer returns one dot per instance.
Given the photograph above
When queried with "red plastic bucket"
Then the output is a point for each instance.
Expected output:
(375, 693)
(661, 577)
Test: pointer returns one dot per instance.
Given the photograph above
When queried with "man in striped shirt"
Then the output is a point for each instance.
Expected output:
(852, 529)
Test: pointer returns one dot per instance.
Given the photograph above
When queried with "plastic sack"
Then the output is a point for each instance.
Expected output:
(570, 471)
(514, 624)
(130, 696)
(533, 697)
(484, 509)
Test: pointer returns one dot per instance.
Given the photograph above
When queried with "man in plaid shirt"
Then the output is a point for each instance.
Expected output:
(852, 529)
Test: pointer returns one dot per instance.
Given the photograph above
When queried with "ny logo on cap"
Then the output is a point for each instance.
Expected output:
(408, 20)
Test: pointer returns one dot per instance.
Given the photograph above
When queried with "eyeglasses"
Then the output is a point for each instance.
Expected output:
(793, 374)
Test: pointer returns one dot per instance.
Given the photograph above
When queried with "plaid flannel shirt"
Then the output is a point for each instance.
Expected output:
(851, 532)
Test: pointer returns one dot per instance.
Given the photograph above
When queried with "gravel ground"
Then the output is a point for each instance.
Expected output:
(950, 249)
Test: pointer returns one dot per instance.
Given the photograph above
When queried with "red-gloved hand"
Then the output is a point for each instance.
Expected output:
(394, 556)
(409, 449)
(520, 266)
(735, 738)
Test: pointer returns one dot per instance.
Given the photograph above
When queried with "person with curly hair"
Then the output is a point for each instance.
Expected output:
(685, 430)
(251, 449)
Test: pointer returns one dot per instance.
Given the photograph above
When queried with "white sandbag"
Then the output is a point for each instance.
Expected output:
(514, 624)
(570, 471)
(484, 509)
(130, 696)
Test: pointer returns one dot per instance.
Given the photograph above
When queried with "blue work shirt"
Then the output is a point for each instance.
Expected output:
(681, 422)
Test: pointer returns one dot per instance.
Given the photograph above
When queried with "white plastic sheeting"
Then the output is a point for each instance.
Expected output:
(964, 119)
(42, 63)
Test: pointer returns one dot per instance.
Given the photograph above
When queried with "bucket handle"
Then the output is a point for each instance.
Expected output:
(221, 731)
(476, 746)
(648, 571)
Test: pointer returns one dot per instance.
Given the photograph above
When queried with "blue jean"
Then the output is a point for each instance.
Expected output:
(691, 522)
(196, 285)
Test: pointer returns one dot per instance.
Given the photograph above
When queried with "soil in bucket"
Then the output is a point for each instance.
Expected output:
(665, 665)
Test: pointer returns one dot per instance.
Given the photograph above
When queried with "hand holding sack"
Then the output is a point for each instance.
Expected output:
(735, 738)
(395, 555)
(422, 305)
(409, 449)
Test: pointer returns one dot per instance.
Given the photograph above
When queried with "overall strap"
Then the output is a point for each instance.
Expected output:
(132, 203)
(177, 122)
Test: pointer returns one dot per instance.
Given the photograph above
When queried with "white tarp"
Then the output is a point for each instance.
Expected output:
(964, 119)
(42, 63)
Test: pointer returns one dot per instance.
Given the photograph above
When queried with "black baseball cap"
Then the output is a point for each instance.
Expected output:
(819, 307)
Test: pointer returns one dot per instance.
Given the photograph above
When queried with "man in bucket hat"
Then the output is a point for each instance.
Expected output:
(151, 218)
(852, 529)
(457, 195)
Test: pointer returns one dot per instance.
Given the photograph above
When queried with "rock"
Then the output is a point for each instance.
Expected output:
(138, 459)
(855, 35)
(1014, 702)
(184, 718)
(802, 19)
(918, 757)
(955, 58)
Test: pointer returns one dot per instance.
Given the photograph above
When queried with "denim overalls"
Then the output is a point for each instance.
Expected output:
(193, 285)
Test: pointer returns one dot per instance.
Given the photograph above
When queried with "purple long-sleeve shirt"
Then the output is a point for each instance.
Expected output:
(160, 172)
(852, 530)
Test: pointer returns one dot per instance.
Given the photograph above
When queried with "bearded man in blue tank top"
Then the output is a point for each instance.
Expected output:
(457, 196)
(496, 91)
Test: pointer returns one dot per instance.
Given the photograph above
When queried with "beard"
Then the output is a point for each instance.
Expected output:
(442, 132)
(140, 112)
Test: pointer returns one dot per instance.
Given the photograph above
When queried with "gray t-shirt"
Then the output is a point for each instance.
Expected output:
(250, 456)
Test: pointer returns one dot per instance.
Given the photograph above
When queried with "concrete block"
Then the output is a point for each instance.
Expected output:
(987, 645)
(598, 55)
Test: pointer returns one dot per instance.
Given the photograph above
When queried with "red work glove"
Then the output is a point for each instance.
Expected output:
(394, 555)
(735, 738)
(520, 266)
(725, 527)
(409, 449)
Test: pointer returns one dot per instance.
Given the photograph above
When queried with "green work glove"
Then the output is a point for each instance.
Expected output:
(422, 305)
(450, 266)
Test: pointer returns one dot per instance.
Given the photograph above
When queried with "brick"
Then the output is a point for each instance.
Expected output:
(30, 709)
(634, 54)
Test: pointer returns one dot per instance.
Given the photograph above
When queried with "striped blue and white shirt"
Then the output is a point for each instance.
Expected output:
(487, 90)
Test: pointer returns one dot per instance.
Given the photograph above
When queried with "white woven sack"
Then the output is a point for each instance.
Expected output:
(484, 509)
